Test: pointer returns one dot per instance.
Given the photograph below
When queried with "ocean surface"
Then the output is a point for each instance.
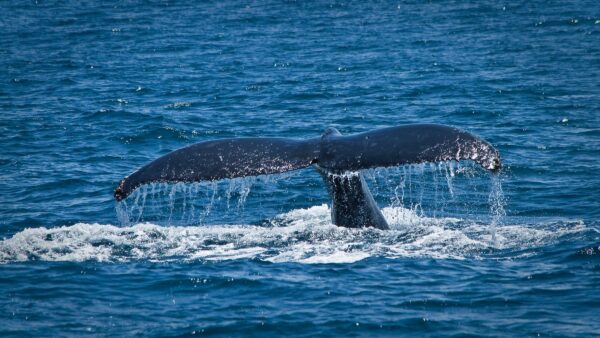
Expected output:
(90, 91)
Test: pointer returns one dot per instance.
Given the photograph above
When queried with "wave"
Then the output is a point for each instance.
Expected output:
(302, 236)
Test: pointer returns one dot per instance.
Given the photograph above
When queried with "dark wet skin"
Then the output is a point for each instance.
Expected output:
(337, 157)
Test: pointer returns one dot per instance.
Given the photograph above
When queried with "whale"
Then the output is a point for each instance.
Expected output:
(338, 158)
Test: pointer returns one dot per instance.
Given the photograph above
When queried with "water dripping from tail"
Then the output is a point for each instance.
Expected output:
(497, 202)
(188, 203)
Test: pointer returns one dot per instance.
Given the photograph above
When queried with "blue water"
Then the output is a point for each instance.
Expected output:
(91, 91)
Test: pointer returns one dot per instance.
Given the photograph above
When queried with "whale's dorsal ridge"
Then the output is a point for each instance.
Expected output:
(331, 131)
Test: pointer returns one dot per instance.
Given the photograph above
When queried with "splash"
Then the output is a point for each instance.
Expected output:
(444, 189)
(301, 235)
(442, 210)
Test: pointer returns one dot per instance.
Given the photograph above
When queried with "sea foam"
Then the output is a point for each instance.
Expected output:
(301, 235)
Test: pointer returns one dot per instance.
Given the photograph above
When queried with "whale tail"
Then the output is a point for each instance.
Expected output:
(220, 159)
(332, 153)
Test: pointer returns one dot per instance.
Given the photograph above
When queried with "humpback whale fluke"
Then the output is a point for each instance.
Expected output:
(333, 154)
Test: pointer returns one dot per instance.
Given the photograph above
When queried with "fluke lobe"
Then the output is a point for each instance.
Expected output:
(338, 159)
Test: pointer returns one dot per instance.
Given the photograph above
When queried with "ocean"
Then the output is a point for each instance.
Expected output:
(90, 91)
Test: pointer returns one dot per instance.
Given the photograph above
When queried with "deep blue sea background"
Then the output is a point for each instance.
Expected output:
(90, 91)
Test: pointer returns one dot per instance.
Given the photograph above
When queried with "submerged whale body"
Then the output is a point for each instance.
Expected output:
(338, 159)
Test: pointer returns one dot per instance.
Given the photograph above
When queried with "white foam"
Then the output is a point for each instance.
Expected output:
(302, 235)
